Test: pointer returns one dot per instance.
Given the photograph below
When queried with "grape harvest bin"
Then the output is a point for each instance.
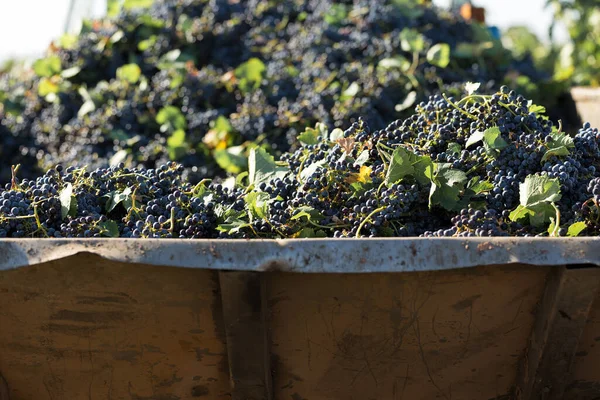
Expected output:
(359, 319)
(587, 102)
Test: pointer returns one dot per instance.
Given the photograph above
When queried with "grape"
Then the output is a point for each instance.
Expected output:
(321, 61)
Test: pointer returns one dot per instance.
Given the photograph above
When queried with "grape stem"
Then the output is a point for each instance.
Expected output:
(367, 218)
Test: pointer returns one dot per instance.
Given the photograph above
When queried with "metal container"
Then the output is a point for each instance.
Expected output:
(384, 319)
(587, 101)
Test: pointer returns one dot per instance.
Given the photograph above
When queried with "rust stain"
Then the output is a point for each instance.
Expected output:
(91, 316)
(199, 391)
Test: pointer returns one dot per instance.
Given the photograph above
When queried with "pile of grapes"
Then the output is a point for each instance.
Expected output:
(201, 82)
(480, 165)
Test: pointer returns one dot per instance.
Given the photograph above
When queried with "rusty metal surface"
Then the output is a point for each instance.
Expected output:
(450, 335)
(87, 328)
(312, 256)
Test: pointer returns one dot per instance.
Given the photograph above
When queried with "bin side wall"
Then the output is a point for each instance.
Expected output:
(456, 334)
(586, 368)
(84, 327)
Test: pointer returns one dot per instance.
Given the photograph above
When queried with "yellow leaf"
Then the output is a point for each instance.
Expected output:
(364, 175)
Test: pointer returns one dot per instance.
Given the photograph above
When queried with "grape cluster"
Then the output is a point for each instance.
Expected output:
(231, 73)
(480, 165)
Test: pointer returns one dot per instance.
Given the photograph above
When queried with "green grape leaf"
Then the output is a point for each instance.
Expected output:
(446, 186)
(478, 186)
(362, 158)
(308, 171)
(454, 148)
(262, 167)
(406, 163)
(129, 4)
(233, 226)
(116, 197)
(336, 135)
(472, 87)
(171, 119)
(409, 100)
(65, 196)
(46, 87)
(559, 145)
(232, 159)
(536, 197)
(395, 62)
(109, 229)
(400, 166)
(538, 189)
(177, 145)
(70, 72)
(310, 213)
(534, 108)
(350, 92)
(47, 67)
(309, 136)
(556, 152)
(576, 228)
(250, 74)
(411, 40)
(439, 55)
(67, 41)
(337, 14)
(129, 72)
(119, 157)
(491, 138)
(257, 204)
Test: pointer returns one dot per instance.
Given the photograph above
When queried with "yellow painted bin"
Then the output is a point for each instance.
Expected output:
(384, 319)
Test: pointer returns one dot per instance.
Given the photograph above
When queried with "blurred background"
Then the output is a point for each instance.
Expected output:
(53, 18)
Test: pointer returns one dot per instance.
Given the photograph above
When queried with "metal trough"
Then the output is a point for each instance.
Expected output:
(328, 319)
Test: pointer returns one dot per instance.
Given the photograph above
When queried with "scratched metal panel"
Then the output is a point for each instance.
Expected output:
(326, 255)
(87, 328)
(456, 334)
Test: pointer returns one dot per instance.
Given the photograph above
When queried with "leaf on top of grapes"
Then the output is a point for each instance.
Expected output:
(250, 74)
(471, 87)
(347, 144)
(409, 100)
(116, 197)
(439, 55)
(129, 4)
(491, 138)
(539, 189)
(171, 119)
(65, 196)
(362, 158)
(559, 145)
(446, 185)
(109, 229)
(411, 40)
(177, 144)
(537, 196)
(309, 136)
(310, 213)
(335, 135)
(47, 67)
(257, 204)
(576, 228)
(129, 72)
(262, 167)
(232, 159)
